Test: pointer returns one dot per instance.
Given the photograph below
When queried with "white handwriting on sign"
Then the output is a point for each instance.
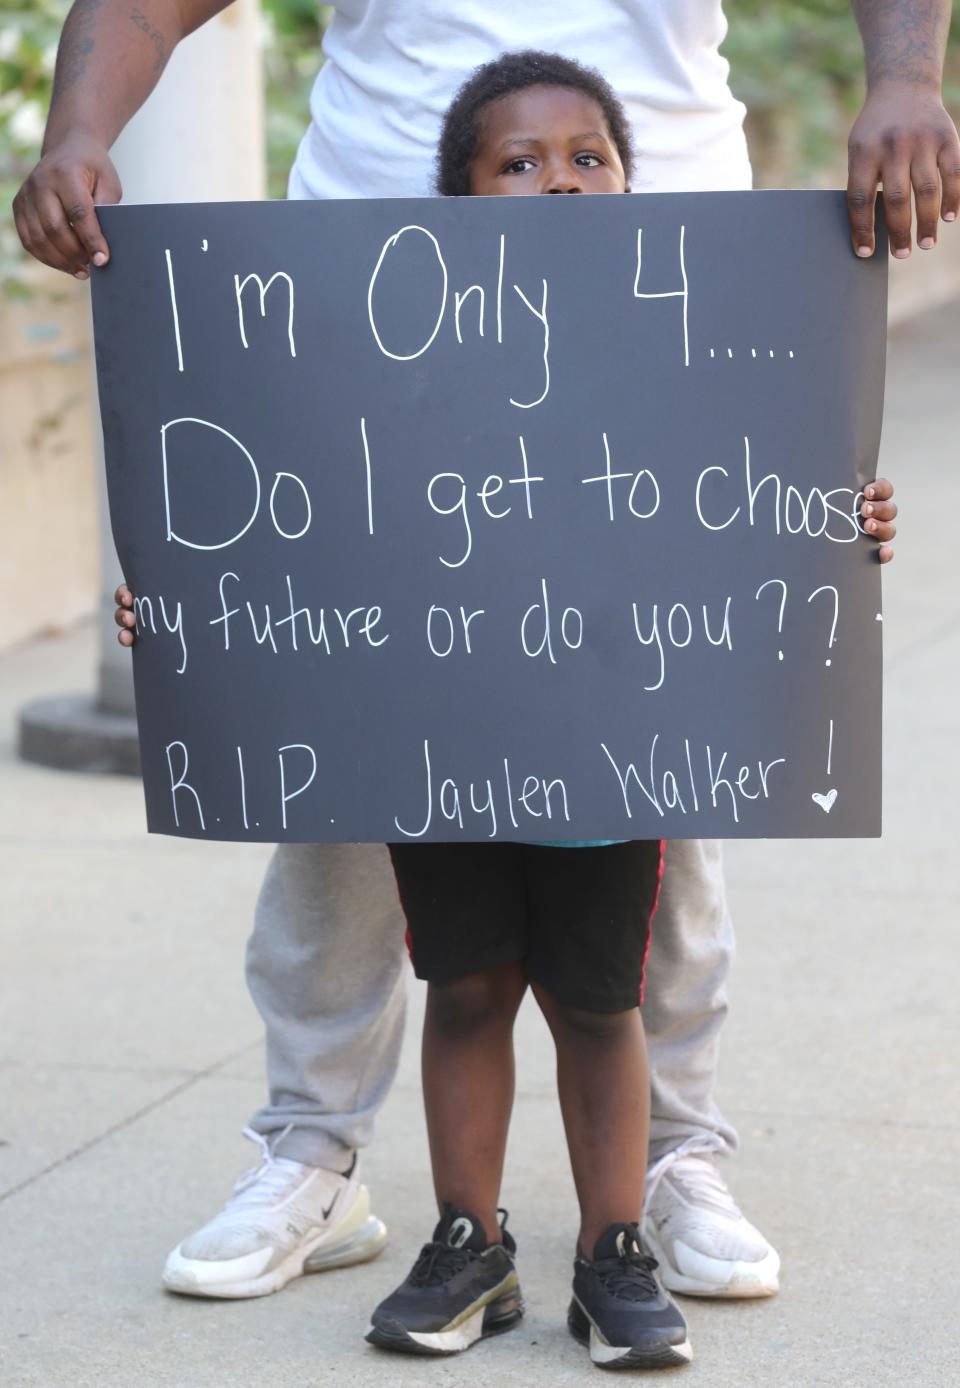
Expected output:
(145, 622)
(549, 558)
(816, 514)
(683, 293)
(665, 788)
(537, 798)
(391, 263)
(442, 629)
(678, 630)
(320, 626)
(240, 286)
(537, 621)
(288, 788)
(453, 491)
(649, 493)
(288, 491)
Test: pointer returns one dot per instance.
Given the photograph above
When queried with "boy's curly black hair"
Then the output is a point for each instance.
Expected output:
(513, 72)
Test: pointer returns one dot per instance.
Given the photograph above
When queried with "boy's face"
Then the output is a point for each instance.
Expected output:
(545, 140)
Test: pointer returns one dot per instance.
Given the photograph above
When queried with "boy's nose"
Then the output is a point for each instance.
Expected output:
(561, 178)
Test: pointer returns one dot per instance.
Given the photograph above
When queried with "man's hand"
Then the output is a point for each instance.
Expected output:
(109, 60)
(904, 139)
(54, 210)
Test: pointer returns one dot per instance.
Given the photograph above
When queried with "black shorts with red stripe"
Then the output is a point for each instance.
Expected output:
(578, 919)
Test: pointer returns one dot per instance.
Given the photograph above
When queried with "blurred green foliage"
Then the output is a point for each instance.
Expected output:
(796, 63)
(291, 55)
(29, 30)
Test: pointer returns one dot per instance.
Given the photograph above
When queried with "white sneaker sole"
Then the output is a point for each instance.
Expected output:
(607, 1356)
(498, 1310)
(226, 1279)
(627, 1357)
(727, 1280)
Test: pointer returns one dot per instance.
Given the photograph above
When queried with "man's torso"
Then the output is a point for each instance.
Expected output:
(393, 67)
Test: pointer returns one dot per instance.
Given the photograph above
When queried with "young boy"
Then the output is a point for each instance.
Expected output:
(570, 921)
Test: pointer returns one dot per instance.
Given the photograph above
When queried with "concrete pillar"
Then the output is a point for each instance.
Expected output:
(199, 138)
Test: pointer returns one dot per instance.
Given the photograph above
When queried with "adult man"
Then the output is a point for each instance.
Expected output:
(326, 958)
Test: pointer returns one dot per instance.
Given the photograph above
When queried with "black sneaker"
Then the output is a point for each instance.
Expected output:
(620, 1310)
(459, 1290)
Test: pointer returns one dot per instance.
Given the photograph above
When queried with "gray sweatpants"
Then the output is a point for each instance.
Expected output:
(327, 966)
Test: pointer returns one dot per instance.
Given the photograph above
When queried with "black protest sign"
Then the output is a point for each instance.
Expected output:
(514, 518)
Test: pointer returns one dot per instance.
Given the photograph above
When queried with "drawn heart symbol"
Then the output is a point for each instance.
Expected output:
(826, 802)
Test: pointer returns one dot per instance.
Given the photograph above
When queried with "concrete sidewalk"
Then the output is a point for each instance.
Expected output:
(130, 1056)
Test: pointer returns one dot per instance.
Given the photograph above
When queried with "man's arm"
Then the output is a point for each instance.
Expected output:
(903, 137)
(111, 56)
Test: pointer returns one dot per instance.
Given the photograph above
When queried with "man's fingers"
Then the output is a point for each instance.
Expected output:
(861, 201)
(948, 161)
(123, 596)
(56, 229)
(38, 243)
(107, 187)
(925, 178)
(905, 141)
(126, 638)
(897, 207)
(885, 554)
(79, 212)
(55, 209)
(879, 530)
(124, 618)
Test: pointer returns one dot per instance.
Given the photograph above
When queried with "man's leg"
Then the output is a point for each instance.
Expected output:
(704, 1244)
(326, 966)
(685, 997)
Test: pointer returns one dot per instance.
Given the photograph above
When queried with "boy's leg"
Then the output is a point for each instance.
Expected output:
(466, 916)
(591, 909)
(468, 1083)
(465, 905)
(326, 967)
(604, 1088)
(702, 1240)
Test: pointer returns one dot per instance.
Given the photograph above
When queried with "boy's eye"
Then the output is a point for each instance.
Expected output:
(519, 165)
(588, 161)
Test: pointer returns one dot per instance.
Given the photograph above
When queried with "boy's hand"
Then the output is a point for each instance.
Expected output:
(877, 512)
(125, 619)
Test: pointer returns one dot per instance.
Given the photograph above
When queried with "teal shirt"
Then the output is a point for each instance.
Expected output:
(584, 843)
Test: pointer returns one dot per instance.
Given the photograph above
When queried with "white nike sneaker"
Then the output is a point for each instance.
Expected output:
(696, 1232)
(284, 1219)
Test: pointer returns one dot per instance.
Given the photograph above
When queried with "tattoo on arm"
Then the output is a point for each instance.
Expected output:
(76, 44)
(903, 40)
(154, 35)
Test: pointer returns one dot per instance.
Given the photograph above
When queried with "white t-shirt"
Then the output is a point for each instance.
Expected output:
(393, 67)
